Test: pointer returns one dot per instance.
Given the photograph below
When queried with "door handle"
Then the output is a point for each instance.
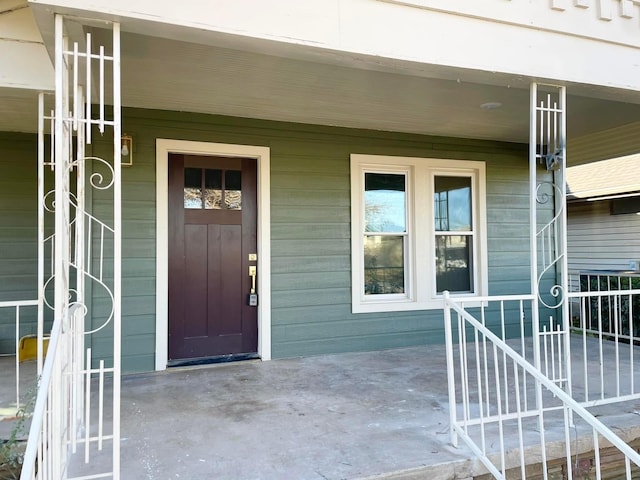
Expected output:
(252, 274)
(253, 296)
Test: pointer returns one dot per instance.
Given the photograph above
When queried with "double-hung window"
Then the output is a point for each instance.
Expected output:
(454, 229)
(418, 228)
(385, 236)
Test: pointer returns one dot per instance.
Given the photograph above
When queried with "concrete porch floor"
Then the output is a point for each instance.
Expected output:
(345, 416)
(371, 415)
(380, 414)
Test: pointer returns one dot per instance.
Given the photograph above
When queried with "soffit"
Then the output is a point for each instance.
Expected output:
(308, 86)
(164, 74)
(173, 75)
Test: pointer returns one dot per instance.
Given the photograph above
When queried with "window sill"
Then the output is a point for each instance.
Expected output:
(409, 305)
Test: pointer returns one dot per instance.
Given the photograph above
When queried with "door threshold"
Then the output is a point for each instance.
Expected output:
(189, 362)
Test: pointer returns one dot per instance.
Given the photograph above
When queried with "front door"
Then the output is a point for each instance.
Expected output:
(212, 245)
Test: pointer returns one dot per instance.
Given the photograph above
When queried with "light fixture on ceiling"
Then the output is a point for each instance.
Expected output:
(490, 105)
(126, 151)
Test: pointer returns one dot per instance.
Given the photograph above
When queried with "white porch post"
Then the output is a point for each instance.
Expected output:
(62, 224)
(533, 219)
(547, 145)
(61, 153)
(561, 207)
(117, 249)
(41, 245)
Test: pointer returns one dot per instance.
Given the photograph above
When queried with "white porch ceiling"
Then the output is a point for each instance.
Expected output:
(175, 75)
(326, 88)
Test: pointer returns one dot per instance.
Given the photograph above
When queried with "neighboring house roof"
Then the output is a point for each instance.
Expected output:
(614, 177)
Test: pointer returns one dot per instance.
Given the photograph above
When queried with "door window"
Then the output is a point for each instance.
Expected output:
(212, 189)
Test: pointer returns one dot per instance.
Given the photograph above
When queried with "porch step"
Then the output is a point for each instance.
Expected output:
(612, 466)
(458, 470)
(612, 462)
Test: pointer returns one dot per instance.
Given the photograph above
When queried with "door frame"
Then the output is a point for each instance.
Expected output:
(262, 155)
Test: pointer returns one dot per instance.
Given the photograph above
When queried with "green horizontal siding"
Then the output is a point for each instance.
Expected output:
(310, 231)
(18, 234)
(323, 264)
(319, 346)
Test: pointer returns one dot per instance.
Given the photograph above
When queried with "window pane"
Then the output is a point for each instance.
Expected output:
(233, 189)
(385, 202)
(213, 189)
(192, 188)
(383, 264)
(453, 263)
(452, 205)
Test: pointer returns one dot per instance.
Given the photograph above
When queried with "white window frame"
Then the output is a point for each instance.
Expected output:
(473, 175)
(420, 283)
(408, 236)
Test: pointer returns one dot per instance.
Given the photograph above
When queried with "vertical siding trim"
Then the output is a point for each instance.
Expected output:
(263, 158)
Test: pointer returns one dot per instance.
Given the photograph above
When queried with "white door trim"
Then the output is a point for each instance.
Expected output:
(262, 154)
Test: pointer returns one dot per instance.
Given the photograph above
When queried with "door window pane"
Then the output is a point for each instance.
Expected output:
(192, 188)
(213, 189)
(233, 189)
(222, 189)
(383, 264)
(385, 202)
(453, 263)
(452, 205)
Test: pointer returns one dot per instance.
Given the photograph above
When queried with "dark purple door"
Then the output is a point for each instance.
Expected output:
(212, 244)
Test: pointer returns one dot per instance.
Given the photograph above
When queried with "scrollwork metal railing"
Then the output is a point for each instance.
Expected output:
(78, 403)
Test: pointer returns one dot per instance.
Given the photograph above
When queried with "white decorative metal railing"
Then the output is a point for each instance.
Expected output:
(604, 312)
(510, 414)
(549, 280)
(63, 419)
(17, 307)
(78, 401)
(548, 147)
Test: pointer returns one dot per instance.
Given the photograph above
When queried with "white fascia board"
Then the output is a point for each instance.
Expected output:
(25, 65)
(542, 44)
(19, 25)
(24, 62)
(312, 22)
(573, 18)
(465, 42)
